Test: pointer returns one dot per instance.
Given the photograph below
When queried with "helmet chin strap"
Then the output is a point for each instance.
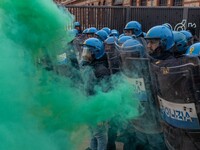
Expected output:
(158, 51)
(163, 44)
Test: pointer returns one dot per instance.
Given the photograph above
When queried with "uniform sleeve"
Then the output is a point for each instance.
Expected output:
(103, 76)
(102, 72)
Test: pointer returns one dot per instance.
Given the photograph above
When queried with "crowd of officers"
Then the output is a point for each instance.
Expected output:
(103, 53)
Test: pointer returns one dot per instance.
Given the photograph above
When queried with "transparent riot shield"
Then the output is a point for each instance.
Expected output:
(137, 72)
(112, 57)
(77, 44)
(178, 92)
(136, 69)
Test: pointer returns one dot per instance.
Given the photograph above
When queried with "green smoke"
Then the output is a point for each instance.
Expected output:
(39, 109)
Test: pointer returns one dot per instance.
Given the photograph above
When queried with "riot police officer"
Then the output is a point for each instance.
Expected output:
(77, 26)
(134, 29)
(111, 53)
(177, 84)
(101, 35)
(160, 43)
(144, 131)
(94, 70)
(194, 50)
(180, 42)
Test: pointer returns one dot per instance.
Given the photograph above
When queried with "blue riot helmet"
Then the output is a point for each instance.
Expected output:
(85, 31)
(122, 39)
(107, 30)
(110, 43)
(91, 31)
(144, 33)
(77, 24)
(168, 26)
(133, 28)
(83, 36)
(187, 34)
(189, 37)
(114, 32)
(110, 40)
(101, 34)
(121, 35)
(163, 34)
(194, 50)
(92, 49)
(180, 41)
(133, 46)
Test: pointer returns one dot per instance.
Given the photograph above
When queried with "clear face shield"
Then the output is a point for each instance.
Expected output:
(128, 32)
(87, 54)
(110, 49)
(112, 58)
(90, 35)
(125, 54)
(131, 32)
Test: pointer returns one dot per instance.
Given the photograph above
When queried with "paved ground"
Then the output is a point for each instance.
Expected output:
(119, 146)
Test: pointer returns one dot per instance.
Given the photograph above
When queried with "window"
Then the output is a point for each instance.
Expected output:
(178, 2)
(143, 2)
(162, 2)
(134, 3)
(118, 2)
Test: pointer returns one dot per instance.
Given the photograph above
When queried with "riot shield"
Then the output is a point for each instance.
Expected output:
(135, 50)
(136, 69)
(138, 73)
(178, 92)
(112, 57)
(77, 44)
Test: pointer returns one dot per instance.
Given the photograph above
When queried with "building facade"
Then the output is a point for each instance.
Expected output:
(186, 3)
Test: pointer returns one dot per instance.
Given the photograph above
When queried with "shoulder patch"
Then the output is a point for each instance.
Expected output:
(191, 50)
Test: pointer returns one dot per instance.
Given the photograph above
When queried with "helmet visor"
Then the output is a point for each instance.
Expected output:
(87, 54)
(128, 32)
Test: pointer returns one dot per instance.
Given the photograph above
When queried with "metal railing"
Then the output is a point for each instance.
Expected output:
(116, 17)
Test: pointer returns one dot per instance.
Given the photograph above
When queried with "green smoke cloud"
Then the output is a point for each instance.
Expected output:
(39, 109)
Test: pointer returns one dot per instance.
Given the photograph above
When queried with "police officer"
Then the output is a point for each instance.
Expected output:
(91, 32)
(189, 37)
(180, 42)
(101, 35)
(113, 63)
(111, 53)
(134, 29)
(77, 26)
(144, 132)
(94, 70)
(161, 48)
(176, 82)
(194, 50)
(193, 32)
(107, 30)
(160, 43)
